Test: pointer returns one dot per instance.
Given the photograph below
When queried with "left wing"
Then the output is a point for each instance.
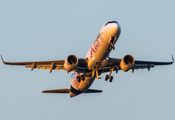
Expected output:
(139, 64)
(51, 65)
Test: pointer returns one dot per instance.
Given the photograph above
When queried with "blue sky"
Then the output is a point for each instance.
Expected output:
(52, 30)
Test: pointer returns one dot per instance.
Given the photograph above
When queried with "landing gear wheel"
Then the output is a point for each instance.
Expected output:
(110, 79)
(106, 78)
(82, 77)
(116, 71)
(113, 48)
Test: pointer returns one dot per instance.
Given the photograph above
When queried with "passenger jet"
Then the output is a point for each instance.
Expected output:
(97, 61)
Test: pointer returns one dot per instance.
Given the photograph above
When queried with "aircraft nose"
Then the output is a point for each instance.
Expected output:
(71, 94)
(116, 29)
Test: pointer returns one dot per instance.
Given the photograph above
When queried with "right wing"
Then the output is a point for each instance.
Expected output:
(51, 65)
(139, 64)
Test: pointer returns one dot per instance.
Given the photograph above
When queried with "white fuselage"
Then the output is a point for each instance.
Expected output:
(97, 56)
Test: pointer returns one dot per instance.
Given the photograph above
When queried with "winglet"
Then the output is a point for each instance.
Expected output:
(2, 59)
(172, 59)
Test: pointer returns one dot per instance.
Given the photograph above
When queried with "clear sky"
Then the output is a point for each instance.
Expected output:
(53, 29)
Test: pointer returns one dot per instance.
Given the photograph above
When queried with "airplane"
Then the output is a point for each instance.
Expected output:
(97, 61)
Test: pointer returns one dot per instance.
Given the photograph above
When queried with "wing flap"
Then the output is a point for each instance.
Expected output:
(56, 67)
(139, 62)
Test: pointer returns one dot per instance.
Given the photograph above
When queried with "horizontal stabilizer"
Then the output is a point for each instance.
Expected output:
(67, 90)
(93, 91)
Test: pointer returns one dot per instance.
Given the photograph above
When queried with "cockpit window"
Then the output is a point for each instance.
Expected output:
(110, 22)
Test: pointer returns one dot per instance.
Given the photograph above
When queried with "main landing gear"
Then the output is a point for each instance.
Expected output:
(82, 77)
(110, 78)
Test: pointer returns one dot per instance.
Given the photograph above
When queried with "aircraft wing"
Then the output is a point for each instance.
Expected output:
(51, 65)
(139, 64)
(149, 64)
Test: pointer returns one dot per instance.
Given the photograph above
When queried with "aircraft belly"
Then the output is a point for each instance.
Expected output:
(98, 54)
(97, 60)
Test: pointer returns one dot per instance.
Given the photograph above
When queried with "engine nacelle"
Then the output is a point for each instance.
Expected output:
(71, 62)
(127, 62)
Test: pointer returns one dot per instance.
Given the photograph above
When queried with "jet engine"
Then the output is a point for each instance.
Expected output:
(127, 62)
(71, 62)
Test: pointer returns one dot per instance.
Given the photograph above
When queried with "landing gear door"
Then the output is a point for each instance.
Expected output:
(112, 41)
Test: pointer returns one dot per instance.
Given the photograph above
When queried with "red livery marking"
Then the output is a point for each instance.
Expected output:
(75, 79)
(96, 45)
(91, 52)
